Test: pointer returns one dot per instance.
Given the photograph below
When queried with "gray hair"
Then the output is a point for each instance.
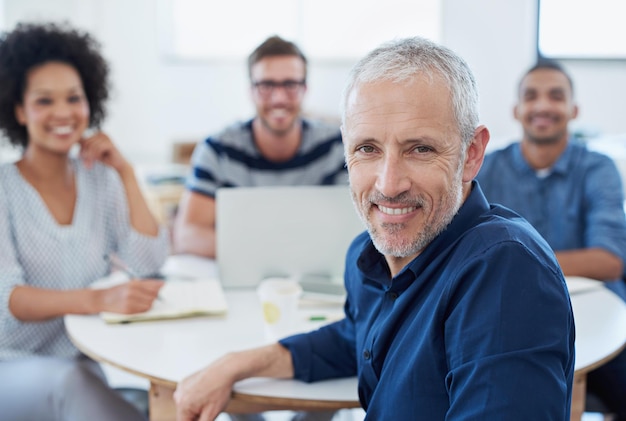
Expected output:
(403, 59)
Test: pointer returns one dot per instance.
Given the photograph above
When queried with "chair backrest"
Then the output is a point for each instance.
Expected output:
(182, 151)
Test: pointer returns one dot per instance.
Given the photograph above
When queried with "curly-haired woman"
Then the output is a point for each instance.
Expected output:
(60, 215)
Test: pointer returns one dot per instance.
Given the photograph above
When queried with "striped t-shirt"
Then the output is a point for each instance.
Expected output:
(232, 159)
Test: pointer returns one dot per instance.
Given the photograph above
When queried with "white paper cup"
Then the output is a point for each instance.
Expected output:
(279, 302)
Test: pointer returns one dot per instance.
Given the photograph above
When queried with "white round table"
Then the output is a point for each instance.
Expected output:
(165, 352)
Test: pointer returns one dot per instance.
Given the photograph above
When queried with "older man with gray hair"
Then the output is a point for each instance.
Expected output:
(456, 309)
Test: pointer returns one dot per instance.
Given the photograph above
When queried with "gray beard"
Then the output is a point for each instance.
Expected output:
(450, 203)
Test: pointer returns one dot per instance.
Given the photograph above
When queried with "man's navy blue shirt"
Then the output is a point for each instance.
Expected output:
(479, 326)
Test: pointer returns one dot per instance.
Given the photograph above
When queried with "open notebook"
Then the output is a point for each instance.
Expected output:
(178, 298)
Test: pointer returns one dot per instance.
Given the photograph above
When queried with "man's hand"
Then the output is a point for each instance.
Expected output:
(203, 395)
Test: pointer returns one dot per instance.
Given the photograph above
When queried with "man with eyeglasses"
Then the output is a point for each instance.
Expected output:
(277, 147)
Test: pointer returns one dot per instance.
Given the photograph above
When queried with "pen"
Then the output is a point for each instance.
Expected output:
(117, 262)
(317, 318)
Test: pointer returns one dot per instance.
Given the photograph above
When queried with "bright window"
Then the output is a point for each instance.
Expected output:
(581, 29)
(324, 29)
(2, 23)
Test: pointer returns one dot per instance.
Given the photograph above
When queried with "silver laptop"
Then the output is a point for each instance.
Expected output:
(302, 232)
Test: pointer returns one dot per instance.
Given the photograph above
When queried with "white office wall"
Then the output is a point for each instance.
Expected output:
(496, 38)
(156, 102)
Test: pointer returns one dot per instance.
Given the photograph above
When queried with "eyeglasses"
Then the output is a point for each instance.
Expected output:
(265, 88)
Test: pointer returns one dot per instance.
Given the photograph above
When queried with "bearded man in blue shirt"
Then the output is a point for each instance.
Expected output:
(456, 310)
(571, 195)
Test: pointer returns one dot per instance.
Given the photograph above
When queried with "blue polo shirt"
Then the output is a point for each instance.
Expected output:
(479, 326)
(577, 204)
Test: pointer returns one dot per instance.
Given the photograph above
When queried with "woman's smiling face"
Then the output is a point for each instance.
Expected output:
(54, 108)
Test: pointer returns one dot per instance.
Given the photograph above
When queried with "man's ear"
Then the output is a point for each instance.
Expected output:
(515, 113)
(475, 153)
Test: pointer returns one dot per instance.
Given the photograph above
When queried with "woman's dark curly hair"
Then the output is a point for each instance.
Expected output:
(31, 45)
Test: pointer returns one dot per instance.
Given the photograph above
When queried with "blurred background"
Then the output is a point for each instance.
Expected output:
(179, 70)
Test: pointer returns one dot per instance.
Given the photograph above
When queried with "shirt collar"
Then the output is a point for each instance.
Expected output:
(373, 265)
(563, 164)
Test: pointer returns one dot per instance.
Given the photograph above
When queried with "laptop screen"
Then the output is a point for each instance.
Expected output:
(297, 231)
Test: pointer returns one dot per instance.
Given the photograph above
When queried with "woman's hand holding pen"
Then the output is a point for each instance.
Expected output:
(134, 296)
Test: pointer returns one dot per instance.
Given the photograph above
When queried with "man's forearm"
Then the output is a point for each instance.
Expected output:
(194, 239)
(268, 361)
(592, 263)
